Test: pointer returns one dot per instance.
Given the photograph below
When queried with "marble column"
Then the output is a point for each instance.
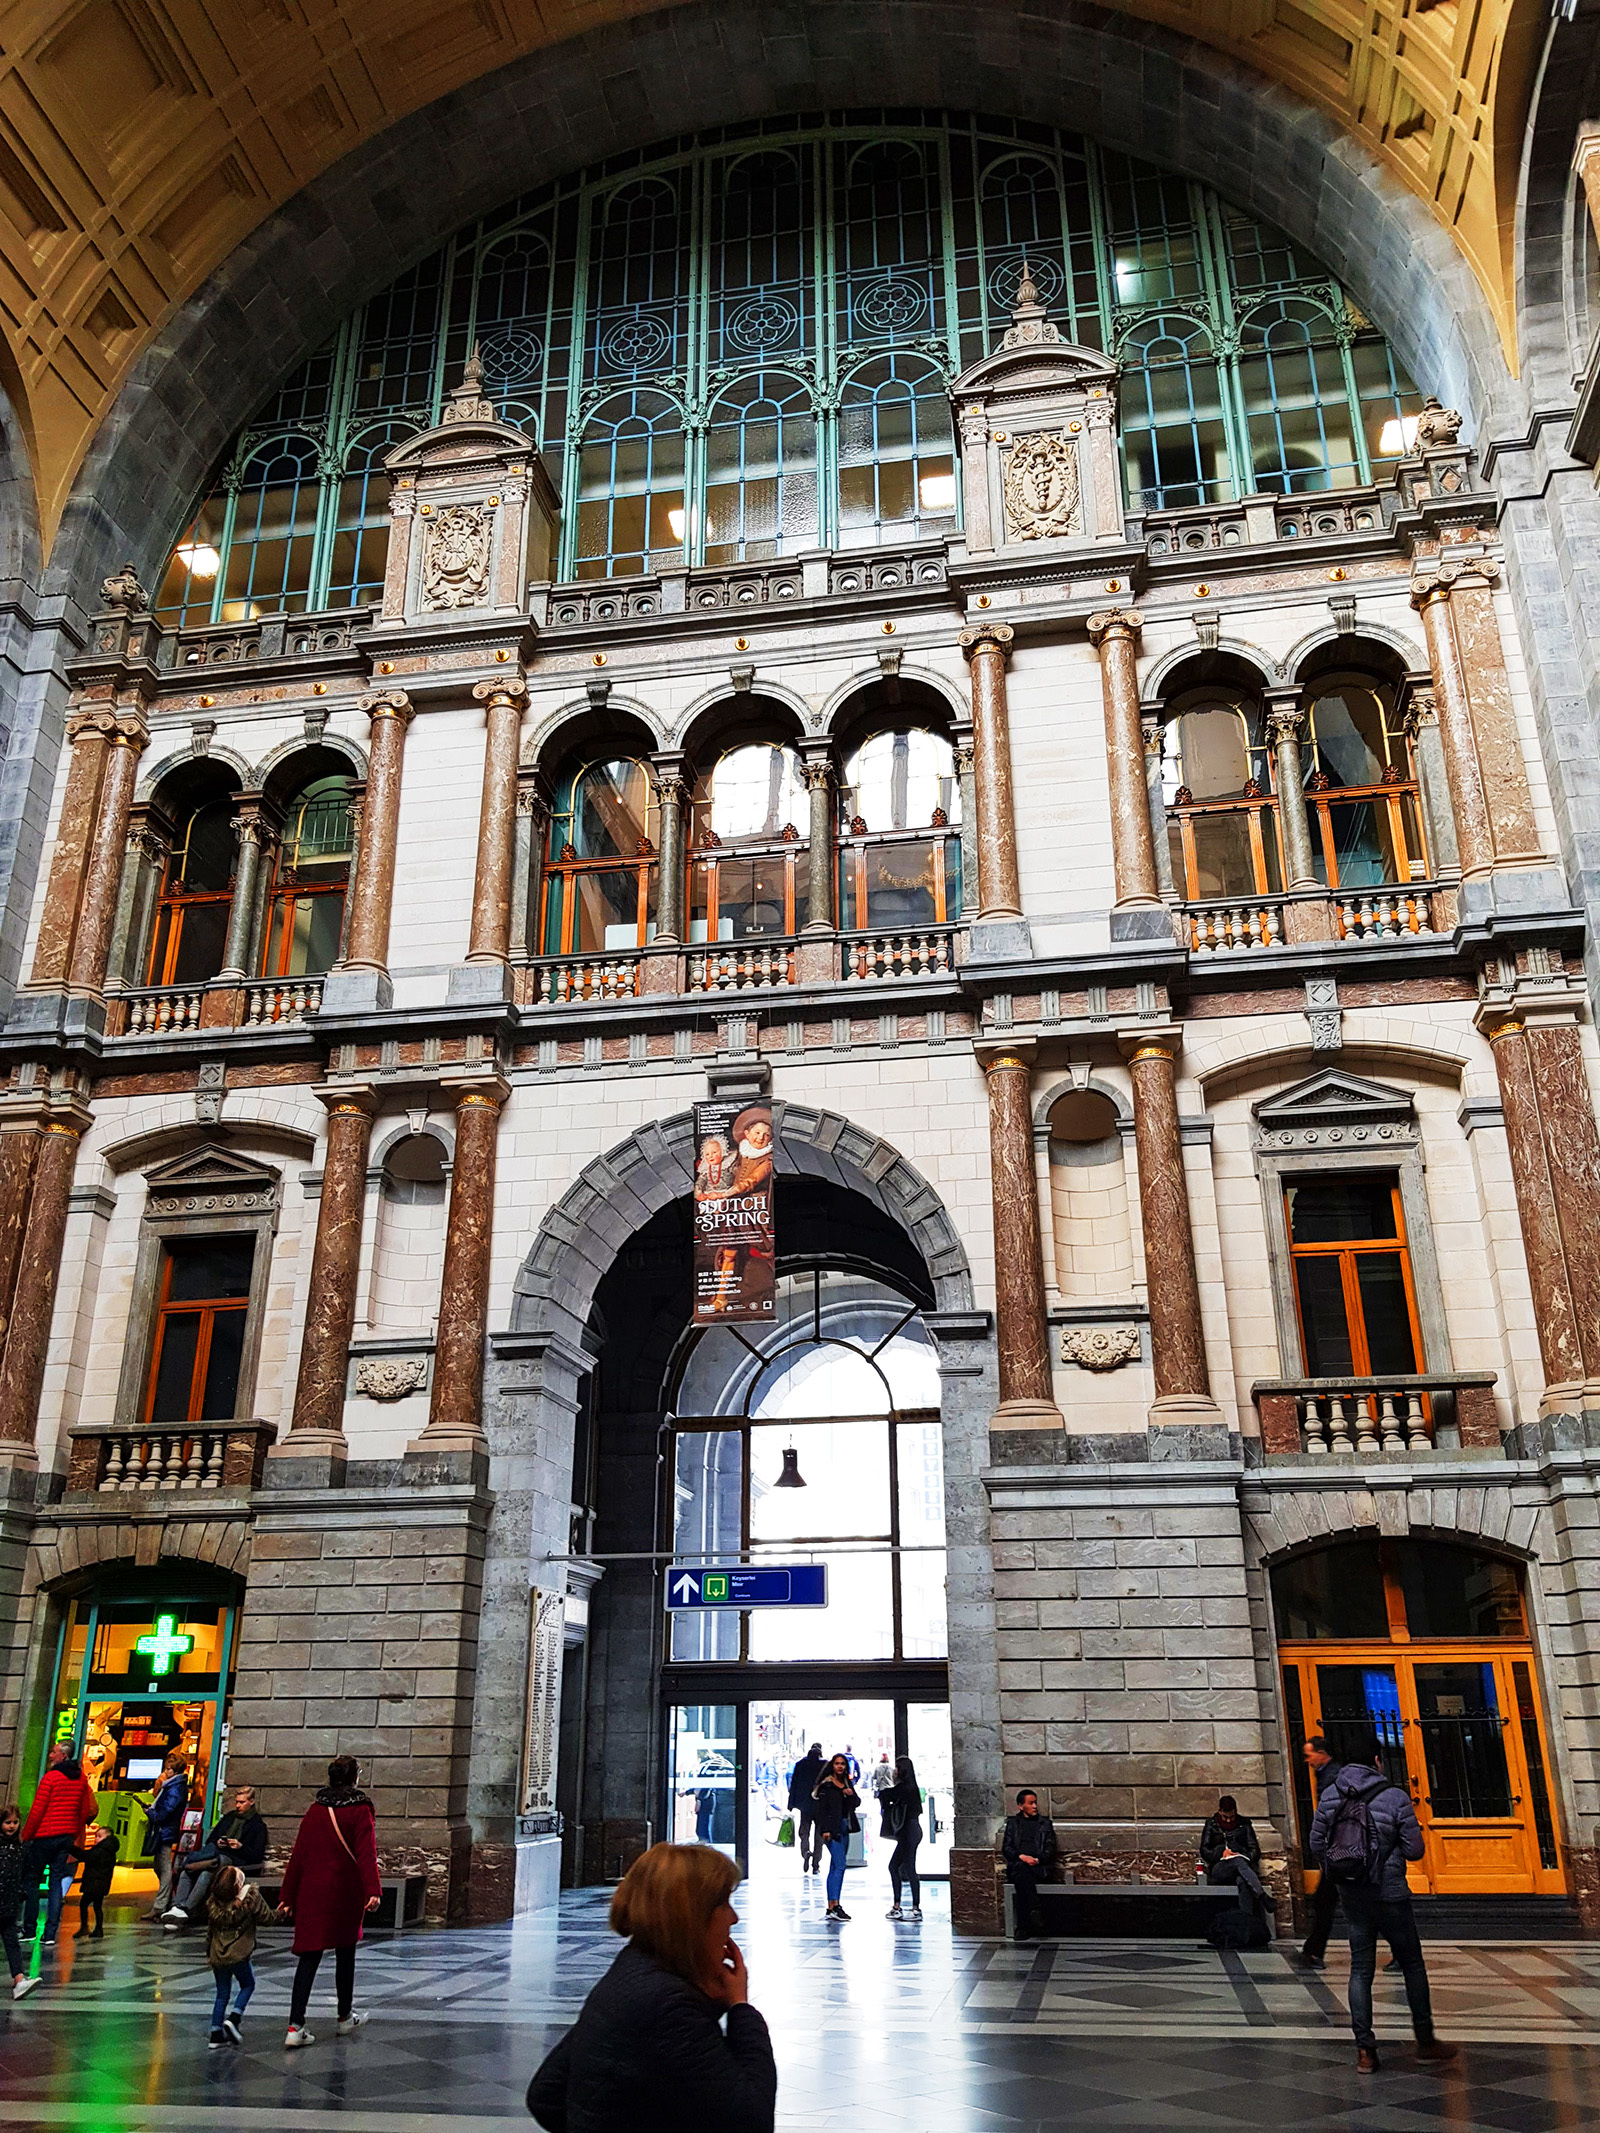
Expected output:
(999, 929)
(1153, 736)
(252, 838)
(1138, 912)
(38, 1270)
(816, 767)
(1022, 1332)
(1285, 731)
(366, 955)
(89, 734)
(1177, 1334)
(490, 937)
(455, 1409)
(1427, 753)
(1430, 596)
(1554, 1310)
(21, 1139)
(316, 1430)
(102, 877)
(672, 793)
(967, 786)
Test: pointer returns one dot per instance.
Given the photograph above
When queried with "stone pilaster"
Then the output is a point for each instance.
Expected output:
(362, 978)
(316, 1429)
(967, 785)
(1138, 912)
(999, 930)
(89, 734)
(489, 942)
(1022, 1334)
(1177, 1335)
(455, 1411)
(1433, 783)
(102, 874)
(38, 1270)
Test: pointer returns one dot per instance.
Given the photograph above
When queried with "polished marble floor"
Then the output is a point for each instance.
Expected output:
(878, 2028)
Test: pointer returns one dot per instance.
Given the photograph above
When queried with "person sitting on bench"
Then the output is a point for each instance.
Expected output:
(1227, 1841)
(1029, 1849)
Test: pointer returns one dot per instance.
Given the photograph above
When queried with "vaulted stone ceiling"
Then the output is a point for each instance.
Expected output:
(142, 140)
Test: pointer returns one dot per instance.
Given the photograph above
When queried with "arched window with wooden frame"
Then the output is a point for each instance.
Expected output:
(601, 877)
(306, 912)
(900, 836)
(750, 866)
(1221, 815)
(191, 929)
(1361, 785)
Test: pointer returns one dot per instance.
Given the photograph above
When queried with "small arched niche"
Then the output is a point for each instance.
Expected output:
(1089, 1222)
(408, 1245)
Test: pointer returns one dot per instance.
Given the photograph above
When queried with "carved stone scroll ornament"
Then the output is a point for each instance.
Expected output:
(455, 557)
(381, 1379)
(1041, 487)
(1100, 1347)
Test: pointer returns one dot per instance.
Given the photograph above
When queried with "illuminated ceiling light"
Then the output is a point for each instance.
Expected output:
(1397, 436)
(199, 558)
(675, 521)
(791, 1477)
(938, 492)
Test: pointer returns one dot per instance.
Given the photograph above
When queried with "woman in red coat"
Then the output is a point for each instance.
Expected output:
(329, 1885)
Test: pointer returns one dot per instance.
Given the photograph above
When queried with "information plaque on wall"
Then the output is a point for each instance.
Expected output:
(733, 1240)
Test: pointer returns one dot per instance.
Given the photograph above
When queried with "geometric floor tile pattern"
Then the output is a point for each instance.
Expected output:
(878, 2028)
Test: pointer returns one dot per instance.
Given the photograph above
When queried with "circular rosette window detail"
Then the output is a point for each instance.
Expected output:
(509, 354)
(1005, 278)
(639, 343)
(763, 322)
(891, 306)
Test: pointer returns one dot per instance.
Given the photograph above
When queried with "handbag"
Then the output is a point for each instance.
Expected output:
(786, 1830)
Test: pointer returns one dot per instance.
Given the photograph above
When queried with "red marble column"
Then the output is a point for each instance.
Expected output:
(1477, 718)
(503, 702)
(20, 1142)
(89, 735)
(1022, 1333)
(372, 891)
(455, 1410)
(1115, 634)
(38, 1271)
(987, 648)
(1430, 596)
(102, 879)
(317, 1426)
(1177, 1334)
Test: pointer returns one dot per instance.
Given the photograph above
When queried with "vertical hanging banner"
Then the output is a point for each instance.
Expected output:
(733, 1241)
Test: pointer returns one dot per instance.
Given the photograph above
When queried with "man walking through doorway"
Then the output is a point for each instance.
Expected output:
(802, 1784)
(1325, 1896)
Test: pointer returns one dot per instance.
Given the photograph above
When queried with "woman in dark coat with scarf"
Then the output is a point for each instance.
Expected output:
(329, 1885)
(648, 2050)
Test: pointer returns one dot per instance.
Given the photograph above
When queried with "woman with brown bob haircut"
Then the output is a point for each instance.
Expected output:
(649, 2048)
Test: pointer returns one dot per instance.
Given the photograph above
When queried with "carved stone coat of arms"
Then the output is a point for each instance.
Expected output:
(455, 558)
(1041, 487)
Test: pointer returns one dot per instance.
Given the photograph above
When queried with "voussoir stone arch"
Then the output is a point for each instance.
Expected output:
(1351, 643)
(302, 744)
(619, 1191)
(67, 1554)
(571, 723)
(1165, 676)
(1094, 1086)
(1298, 1521)
(951, 693)
(186, 759)
(1279, 1042)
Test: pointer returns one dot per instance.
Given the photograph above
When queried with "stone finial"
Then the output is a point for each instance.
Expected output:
(1030, 321)
(124, 591)
(467, 402)
(1438, 426)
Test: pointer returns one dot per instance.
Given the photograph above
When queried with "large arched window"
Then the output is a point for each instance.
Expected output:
(631, 487)
(191, 931)
(897, 469)
(189, 584)
(601, 876)
(900, 841)
(1297, 400)
(306, 912)
(749, 868)
(1174, 432)
(361, 522)
(761, 471)
(1361, 788)
(272, 531)
(511, 325)
(1221, 817)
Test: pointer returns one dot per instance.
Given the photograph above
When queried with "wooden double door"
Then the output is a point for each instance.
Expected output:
(1460, 1728)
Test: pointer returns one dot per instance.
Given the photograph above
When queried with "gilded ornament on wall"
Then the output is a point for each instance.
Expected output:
(1041, 487)
(1100, 1347)
(455, 559)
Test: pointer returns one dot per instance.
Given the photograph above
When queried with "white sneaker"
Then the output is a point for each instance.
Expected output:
(296, 2037)
(175, 1917)
(895, 1913)
(917, 1915)
(24, 1986)
(351, 2021)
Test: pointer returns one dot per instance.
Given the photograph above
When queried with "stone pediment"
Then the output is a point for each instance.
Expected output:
(211, 1180)
(1335, 1110)
(1032, 365)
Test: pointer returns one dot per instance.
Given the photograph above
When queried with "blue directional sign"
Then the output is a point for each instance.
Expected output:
(737, 1585)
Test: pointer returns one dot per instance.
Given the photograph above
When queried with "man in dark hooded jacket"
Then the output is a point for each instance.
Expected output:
(802, 1805)
(1379, 1900)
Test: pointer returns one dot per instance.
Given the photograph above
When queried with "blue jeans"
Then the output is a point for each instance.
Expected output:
(51, 1854)
(1367, 1915)
(838, 1851)
(227, 1974)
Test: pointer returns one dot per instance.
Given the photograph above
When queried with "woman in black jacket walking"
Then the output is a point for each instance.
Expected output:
(902, 1822)
(648, 2048)
(837, 1801)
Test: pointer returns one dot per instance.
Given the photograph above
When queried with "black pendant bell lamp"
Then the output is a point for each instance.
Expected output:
(791, 1477)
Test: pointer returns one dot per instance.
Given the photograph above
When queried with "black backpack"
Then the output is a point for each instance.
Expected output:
(1242, 1926)
(1353, 1854)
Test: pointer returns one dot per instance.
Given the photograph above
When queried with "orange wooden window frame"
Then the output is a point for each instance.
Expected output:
(1347, 1252)
(570, 871)
(710, 857)
(1320, 805)
(207, 1310)
(853, 854)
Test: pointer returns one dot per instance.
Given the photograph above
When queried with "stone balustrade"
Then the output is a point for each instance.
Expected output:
(160, 1011)
(740, 966)
(181, 1456)
(569, 980)
(286, 1000)
(1384, 914)
(927, 954)
(1361, 1418)
(1216, 929)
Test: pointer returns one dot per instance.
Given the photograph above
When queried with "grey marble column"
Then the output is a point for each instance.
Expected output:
(1285, 728)
(1433, 784)
(816, 760)
(672, 794)
(1154, 735)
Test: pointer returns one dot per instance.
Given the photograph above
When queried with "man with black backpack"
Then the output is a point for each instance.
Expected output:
(1365, 1831)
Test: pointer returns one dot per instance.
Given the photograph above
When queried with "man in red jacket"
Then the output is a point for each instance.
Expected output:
(62, 1807)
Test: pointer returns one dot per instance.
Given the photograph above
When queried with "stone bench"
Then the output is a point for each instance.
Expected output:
(1125, 1910)
(404, 1898)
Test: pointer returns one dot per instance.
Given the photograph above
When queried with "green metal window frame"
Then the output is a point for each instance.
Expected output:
(811, 249)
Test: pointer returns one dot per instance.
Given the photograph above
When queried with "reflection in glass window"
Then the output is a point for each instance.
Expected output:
(899, 847)
(191, 929)
(897, 469)
(750, 870)
(1222, 818)
(600, 877)
(707, 1526)
(630, 488)
(1361, 788)
(306, 911)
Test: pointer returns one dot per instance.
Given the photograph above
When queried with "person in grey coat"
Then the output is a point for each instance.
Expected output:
(1378, 1899)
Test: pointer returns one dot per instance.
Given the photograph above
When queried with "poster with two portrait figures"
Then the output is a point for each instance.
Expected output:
(733, 1240)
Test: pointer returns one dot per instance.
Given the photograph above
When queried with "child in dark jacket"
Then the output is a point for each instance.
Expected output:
(97, 1849)
(16, 1863)
(233, 1912)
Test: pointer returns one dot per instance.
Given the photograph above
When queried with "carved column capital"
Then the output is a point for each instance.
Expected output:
(1421, 710)
(1153, 734)
(91, 722)
(380, 704)
(1285, 722)
(1162, 1043)
(484, 1091)
(1113, 623)
(817, 771)
(995, 637)
(502, 689)
(346, 1099)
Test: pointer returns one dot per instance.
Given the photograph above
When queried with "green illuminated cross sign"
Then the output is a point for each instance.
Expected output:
(164, 1646)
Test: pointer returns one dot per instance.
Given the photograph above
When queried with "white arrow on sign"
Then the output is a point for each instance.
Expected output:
(686, 1588)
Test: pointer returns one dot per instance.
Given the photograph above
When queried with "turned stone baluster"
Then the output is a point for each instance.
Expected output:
(1338, 1424)
(1389, 1423)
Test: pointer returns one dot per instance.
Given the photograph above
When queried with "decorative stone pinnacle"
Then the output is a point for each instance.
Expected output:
(124, 591)
(1030, 321)
(467, 403)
